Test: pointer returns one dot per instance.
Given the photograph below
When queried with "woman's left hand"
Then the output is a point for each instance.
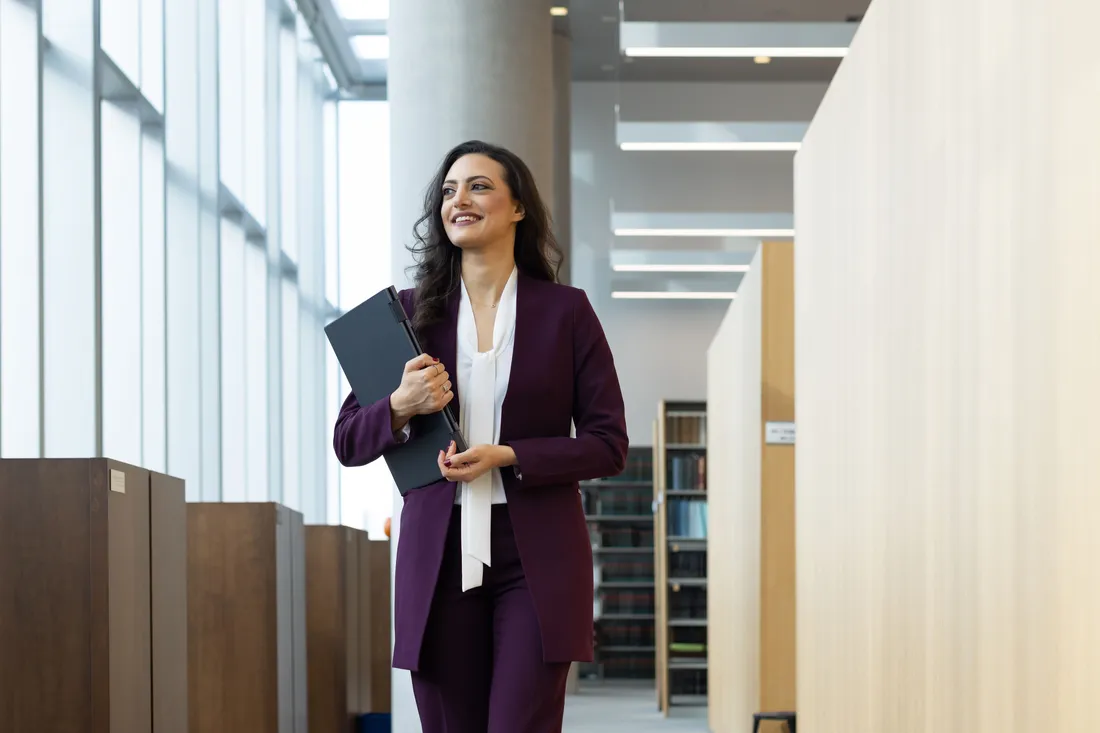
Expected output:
(474, 462)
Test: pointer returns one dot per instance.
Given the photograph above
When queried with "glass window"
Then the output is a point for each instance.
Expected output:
(120, 294)
(255, 369)
(120, 35)
(152, 52)
(154, 399)
(20, 386)
(231, 64)
(292, 427)
(70, 416)
(364, 9)
(288, 163)
(233, 354)
(365, 259)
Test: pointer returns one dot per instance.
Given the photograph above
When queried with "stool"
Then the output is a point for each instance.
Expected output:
(787, 717)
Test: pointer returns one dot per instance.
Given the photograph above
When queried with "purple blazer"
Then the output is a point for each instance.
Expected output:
(562, 371)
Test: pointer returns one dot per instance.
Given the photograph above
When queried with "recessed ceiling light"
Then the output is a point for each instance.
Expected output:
(671, 295)
(701, 267)
(559, 11)
(749, 233)
(712, 146)
(763, 59)
(733, 53)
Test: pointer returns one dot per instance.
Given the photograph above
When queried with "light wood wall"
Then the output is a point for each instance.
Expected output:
(948, 374)
(751, 586)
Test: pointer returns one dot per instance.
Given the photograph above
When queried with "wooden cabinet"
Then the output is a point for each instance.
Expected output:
(348, 626)
(246, 612)
(92, 586)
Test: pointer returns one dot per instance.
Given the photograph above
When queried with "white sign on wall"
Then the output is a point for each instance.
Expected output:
(779, 433)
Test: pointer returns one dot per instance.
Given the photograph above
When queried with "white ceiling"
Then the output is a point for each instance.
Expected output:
(594, 26)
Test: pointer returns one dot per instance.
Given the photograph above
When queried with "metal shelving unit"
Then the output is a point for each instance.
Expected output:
(680, 553)
(620, 520)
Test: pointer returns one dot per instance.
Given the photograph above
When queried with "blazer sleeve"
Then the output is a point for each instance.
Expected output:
(363, 434)
(599, 449)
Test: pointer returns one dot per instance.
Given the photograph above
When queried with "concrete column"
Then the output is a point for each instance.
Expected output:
(461, 70)
(563, 149)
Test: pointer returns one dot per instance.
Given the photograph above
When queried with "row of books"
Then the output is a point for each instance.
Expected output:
(687, 564)
(620, 601)
(685, 430)
(687, 472)
(687, 518)
(611, 537)
(632, 567)
(625, 633)
(686, 603)
(619, 503)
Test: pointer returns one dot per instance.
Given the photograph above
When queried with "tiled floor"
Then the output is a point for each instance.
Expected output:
(611, 708)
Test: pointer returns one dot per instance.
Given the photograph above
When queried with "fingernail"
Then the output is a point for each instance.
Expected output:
(435, 360)
(447, 463)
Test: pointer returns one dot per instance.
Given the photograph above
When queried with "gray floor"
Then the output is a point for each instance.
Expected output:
(631, 708)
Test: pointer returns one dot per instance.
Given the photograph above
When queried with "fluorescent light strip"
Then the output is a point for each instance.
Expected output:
(713, 147)
(680, 268)
(735, 52)
(670, 295)
(704, 232)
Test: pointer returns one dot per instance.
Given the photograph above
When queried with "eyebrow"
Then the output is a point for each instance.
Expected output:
(471, 179)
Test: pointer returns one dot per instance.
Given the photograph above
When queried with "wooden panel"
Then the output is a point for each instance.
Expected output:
(374, 626)
(332, 557)
(734, 396)
(126, 603)
(77, 611)
(168, 562)
(233, 636)
(947, 316)
(45, 587)
(777, 487)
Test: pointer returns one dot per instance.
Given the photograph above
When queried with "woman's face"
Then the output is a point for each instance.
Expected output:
(478, 209)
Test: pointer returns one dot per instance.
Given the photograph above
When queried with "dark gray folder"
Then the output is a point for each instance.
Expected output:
(373, 341)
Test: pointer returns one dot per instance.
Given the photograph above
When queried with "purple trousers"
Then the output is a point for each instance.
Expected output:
(481, 666)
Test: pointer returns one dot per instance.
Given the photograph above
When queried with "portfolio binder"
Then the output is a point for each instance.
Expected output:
(373, 341)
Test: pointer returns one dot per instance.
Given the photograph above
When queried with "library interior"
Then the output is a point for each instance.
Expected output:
(843, 255)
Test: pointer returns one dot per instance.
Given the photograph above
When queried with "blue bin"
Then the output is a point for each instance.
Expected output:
(374, 723)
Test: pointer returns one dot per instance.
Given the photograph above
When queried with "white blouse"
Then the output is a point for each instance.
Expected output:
(482, 385)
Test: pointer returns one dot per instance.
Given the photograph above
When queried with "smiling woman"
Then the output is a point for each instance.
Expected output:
(493, 582)
(494, 186)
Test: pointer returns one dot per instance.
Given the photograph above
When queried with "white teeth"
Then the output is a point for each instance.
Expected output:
(465, 218)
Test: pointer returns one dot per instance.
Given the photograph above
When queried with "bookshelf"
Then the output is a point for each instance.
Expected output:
(680, 553)
(620, 522)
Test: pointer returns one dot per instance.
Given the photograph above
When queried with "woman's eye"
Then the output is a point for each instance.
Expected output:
(448, 191)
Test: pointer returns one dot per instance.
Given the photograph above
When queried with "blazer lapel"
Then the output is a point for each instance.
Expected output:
(525, 317)
(447, 340)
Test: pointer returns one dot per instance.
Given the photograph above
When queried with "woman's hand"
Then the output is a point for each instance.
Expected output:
(476, 461)
(425, 388)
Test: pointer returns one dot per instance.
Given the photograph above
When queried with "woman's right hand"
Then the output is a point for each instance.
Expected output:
(425, 388)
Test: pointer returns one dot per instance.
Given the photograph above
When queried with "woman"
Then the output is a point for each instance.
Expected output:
(493, 583)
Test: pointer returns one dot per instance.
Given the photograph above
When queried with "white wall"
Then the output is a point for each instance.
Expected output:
(660, 346)
(734, 473)
(947, 376)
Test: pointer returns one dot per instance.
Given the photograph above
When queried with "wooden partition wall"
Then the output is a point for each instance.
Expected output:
(348, 626)
(246, 607)
(948, 374)
(750, 383)
(93, 587)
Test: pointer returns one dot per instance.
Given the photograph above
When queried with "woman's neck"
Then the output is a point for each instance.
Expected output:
(485, 274)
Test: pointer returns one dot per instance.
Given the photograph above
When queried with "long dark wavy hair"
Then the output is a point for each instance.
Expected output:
(438, 267)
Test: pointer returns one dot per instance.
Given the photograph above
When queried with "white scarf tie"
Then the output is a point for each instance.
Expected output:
(478, 403)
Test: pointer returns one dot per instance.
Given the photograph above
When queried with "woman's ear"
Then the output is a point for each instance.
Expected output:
(519, 212)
